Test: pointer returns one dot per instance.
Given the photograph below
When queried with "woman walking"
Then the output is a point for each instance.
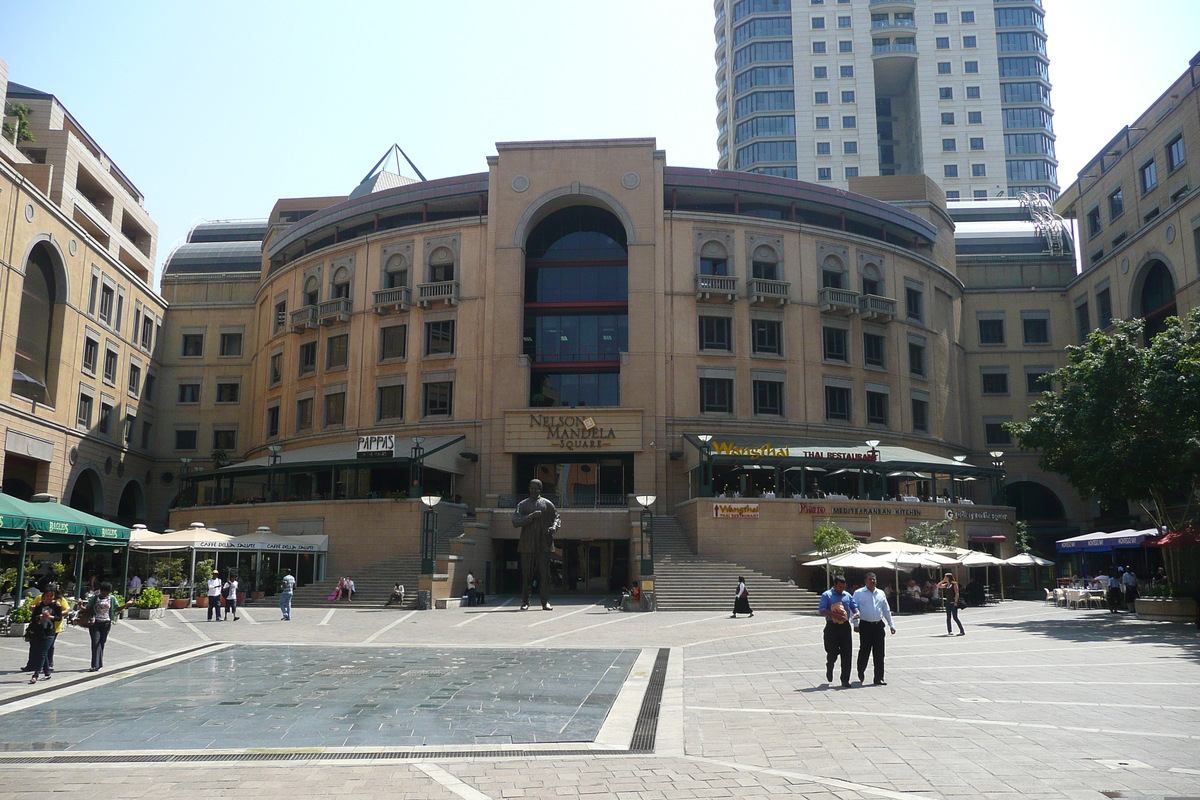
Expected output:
(950, 600)
(41, 632)
(103, 607)
(741, 600)
(230, 590)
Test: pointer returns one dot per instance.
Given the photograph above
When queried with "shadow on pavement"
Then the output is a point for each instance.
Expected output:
(1109, 628)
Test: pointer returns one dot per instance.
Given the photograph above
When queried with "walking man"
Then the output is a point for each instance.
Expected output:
(214, 596)
(836, 606)
(872, 607)
(285, 597)
(538, 520)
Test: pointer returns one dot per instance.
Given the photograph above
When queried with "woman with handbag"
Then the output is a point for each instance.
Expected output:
(952, 601)
(103, 609)
(741, 600)
(41, 632)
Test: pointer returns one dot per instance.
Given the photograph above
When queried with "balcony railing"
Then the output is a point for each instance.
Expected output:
(577, 353)
(872, 306)
(893, 23)
(304, 318)
(760, 290)
(838, 301)
(392, 300)
(894, 2)
(721, 287)
(893, 48)
(429, 294)
(336, 310)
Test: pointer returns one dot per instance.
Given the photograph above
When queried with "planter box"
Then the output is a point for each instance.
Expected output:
(181, 603)
(146, 613)
(1170, 609)
(17, 629)
(257, 595)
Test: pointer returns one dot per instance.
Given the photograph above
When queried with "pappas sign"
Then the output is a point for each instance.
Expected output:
(379, 446)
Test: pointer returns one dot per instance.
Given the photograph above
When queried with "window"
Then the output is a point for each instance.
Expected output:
(276, 369)
(107, 295)
(229, 392)
(1093, 221)
(822, 123)
(846, 72)
(716, 396)
(974, 117)
(941, 18)
(189, 392)
(943, 68)
(335, 409)
(716, 333)
(873, 349)
(979, 170)
(130, 424)
(393, 342)
(272, 422)
(110, 367)
(193, 345)
(968, 16)
(1175, 154)
(1103, 308)
(337, 351)
(340, 285)
(279, 318)
(185, 439)
(994, 433)
(818, 23)
(83, 418)
(914, 303)
(843, 22)
(845, 46)
(766, 337)
(949, 145)
(92, 295)
(991, 331)
(995, 383)
(104, 420)
(764, 267)
(147, 437)
(850, 148)
(823, 148)
(877, 408)
(768, 397)
(948, 118)
(135, 379)
(224, 439)
(818, 48)
(304, 414)
(308, 358)
(979, 194)
(714, 266)
(920, 415)
(1037, 381)
(976, 142)
(1083, 324)
(1036, 330)
(439, 337)
(91, 354)
(943, 43)
(950, 170)
(231, 344)
(820, 73)
(953, 194)
(973, 93)
(390, 402)
(849, 122)
(851, 172)
(148, 333)
(821, 98)
(824, 173)
(438, 400)
(1149, 176)
(837, 403)
(946, 93)
(969, 42)
(1116, 204)
(120, 309)
(151, 382)
(916, 359)
(848, 96)
(835, 344)
(312, 291)
(971, 67)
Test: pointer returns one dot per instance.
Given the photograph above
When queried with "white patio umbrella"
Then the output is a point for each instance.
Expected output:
(1028, 560)
(978, 559)
(851, 560)
(902, 558)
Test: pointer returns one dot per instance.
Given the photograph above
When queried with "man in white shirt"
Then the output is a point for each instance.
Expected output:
(872, 610)
(214, 596)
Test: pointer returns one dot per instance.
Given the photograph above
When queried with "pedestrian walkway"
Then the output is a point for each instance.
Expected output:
(1034, 701)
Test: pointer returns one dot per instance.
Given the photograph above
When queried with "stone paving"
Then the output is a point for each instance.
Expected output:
(1034, 702)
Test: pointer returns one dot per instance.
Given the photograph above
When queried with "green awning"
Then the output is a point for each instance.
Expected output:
(12, 516)
(56, 523)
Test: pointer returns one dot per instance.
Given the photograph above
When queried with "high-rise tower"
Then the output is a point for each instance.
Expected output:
(826, 90)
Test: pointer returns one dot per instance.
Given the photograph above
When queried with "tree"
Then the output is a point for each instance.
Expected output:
(21, 112)
(1021, 540)
(938, 535)
(831, 539)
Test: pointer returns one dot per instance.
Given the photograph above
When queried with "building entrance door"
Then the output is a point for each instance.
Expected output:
(588, 566)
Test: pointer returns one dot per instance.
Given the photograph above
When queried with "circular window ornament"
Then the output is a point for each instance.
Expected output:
(520, 183)
(1124, 266)
(73, 247)
(29, 212)
(1170, 233)
(108, 466)
(73, 456)
(167, 478)
(631, 180)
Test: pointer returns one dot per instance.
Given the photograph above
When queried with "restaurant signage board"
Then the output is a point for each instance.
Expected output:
(377, 446)
(735, 510)
(768, 450)
(614, 430)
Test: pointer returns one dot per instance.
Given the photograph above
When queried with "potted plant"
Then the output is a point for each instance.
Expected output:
(245, 576)
(18, 618)
(268, 582)
(148, 604)
(181, 597)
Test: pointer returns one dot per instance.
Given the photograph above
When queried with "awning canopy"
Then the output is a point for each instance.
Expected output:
(1186, 536)
(208, 539)
(1101, 542)
(54, 523)
(440, 453)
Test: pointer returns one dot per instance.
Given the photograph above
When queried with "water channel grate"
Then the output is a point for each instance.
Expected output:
(398, 755)
(645, 729)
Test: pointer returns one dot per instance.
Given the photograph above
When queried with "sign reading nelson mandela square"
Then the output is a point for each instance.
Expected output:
(602, 430)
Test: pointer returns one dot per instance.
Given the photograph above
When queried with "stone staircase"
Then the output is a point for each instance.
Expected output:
(373, 585)
(684, 581)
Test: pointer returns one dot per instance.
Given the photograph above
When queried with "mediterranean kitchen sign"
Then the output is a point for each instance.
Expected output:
(537, 432)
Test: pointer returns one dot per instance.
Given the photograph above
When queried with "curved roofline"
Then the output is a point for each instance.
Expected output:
(377, 202)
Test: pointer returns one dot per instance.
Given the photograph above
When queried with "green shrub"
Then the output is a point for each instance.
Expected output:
(180, 593)
(204, 571)
(20, 614)
(149, 598)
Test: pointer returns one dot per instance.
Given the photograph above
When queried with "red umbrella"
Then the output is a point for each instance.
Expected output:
(1187, 536)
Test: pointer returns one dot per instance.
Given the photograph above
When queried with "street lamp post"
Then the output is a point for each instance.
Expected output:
(429, 533)
(272, 461)
(705, 465)
(417, 468)
(998, 463)
(873, 444)
(955, 480)
(183, 477)
(647, 520)
(26, 536)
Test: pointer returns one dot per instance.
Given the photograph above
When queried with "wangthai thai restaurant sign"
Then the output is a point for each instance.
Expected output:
(735, 510)
(551, 431)
(768, 450)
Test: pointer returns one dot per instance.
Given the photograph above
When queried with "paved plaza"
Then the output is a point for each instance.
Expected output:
(1034, 702)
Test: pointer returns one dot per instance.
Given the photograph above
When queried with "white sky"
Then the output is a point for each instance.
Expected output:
(216, 109)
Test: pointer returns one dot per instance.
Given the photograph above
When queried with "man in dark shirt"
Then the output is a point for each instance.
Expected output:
(838, 639)
(538, 520)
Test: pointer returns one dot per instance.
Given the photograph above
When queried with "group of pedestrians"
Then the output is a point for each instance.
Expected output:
(48, 616)
(222, 593)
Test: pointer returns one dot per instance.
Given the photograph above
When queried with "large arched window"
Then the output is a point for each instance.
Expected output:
(312, 291)
(833, 273)
(441, 265)
(765, 264)
(33, 370)
(395, 272)
(872, 280)
(1157, 298)
(1033, 502)
(88, 493)
(132, 505)
(340, 286)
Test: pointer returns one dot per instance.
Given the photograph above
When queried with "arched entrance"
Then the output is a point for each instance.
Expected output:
(1156, 298)
(88, 493)
(132, 506)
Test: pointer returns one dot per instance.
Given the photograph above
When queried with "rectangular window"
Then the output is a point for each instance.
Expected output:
(1036, 331)
(849, 122)
(845, 46)
(439, 337)
(189, 393)
(968, 16)
(335, 409)
(225, 440)
(848, 96)
(850, 148)
(393, 342)
(948, 118)
(231, 344)
(193, 345)
(979, 170)
(823, 148)
(877, 408)
(873, 349)
(714, 266)
(83, 418)
(974, 117)
(337, 351)
(914, 302)
(820, 72)
(818, 48)
(110, 367)
(1036, 382)
(438, 400)
(969, 42)
(272, 422)
(941, 18)
(994, 433)
(390, 402)
(835, 344)
(995, 383)
(135, 379)
(151, 382)
(953, 194)
(837, 404)
(920, 415)
(976, 142)
(846, 72)
(768, 398)
(822, 123)
(973, 93)
(716, 333)
(991, 331)
(308, 358)
(950, 170)
(766, 337)
(916, 359)
(1083, 325)
(1093, 221)
(818, 23)
(949, 145)
(851, 172)
(824, 173)
(304, 414)
(942, 43)
(120, 310)
(1116, 204)
(279, 319)
(92, 295)
(971, 67)
(844, 22)
(185, 440)
(104, 420)
(821, 98)
(1149, 175)
(946, 93)
(1103, 308)
(91, 355)
(276, 369)
(147, 434)
(943, 68)
(229, 392)
(716, 396)
(979, 194)
(107, 296)
(148, 333)
(1175, 154)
